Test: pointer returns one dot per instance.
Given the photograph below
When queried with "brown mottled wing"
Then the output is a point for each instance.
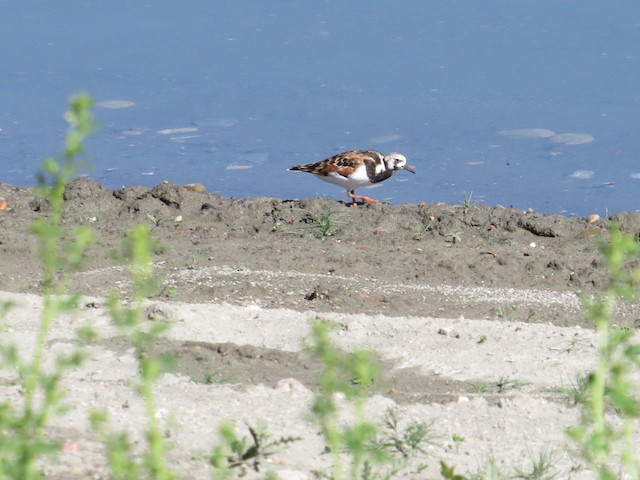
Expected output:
(369, 154)
(343, 163)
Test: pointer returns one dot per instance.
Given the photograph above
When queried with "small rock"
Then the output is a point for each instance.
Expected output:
(3, 204)
(290, 385)
(448, 332)
(594, 217)
(195, 187)
(168, 193)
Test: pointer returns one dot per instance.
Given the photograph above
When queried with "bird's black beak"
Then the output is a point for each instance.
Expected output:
(409, 168)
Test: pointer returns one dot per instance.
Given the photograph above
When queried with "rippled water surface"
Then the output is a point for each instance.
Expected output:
(534, 104)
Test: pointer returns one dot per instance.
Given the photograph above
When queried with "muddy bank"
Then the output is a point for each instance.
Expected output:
(317, 254)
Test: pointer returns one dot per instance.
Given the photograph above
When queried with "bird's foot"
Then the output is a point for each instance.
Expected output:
(362, 199)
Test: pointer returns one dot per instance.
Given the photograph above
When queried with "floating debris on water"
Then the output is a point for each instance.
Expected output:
(384, 139)
(115, 104)
(148, 174)
(528, 133)
(572, 138)
(135, 131)
(635, 176)
(239, 167)
(582, 174)
(171, 131)
(182, 138)
(226, 122)
(563, 138)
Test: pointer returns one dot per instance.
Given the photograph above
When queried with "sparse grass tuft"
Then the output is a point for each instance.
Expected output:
(578, 391)
(325, 223)
(238, 455)
(541, 466)
(489, 470)
(427, 223)
(502, 385)
(466, 203)
(454, 237)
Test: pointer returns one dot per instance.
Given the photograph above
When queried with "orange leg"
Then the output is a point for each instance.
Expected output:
(351, 194)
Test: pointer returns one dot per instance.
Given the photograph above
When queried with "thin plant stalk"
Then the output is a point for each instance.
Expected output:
(53, 181)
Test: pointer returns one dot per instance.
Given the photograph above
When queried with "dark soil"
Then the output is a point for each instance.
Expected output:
(318, 254)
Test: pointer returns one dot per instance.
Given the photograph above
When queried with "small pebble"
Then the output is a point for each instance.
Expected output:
(3, 204)
(594, 217)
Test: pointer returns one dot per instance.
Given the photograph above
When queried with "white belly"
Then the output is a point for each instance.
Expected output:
(357, 179)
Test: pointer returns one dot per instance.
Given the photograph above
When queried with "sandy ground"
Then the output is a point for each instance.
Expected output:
(473, 311)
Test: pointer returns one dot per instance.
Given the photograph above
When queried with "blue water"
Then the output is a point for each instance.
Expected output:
(267, 84)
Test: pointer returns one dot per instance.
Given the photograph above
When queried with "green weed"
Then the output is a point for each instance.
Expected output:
(23, 440)
(142, 334)
(602, 442)
(349, 374)
(373, 451)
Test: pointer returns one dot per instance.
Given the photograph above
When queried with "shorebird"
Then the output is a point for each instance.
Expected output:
(357, 168)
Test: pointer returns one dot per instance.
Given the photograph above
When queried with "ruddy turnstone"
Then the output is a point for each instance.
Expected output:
(357, 168)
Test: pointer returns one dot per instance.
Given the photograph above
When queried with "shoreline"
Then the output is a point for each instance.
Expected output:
(474, 314)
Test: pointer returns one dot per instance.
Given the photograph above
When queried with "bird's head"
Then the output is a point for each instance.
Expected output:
(396, 161)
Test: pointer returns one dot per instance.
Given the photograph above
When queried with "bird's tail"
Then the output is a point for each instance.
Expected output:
(302, 168)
